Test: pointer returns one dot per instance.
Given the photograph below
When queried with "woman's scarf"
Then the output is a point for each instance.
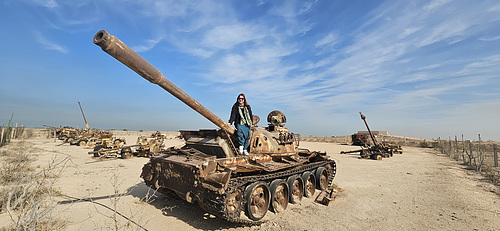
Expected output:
(245, 116)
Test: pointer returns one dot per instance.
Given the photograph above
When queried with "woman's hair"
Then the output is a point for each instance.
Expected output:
(245, 99)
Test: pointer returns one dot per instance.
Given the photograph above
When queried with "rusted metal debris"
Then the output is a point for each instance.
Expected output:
(144, 147)
(326, 196)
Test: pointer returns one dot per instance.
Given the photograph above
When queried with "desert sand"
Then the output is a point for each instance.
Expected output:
(418, 190)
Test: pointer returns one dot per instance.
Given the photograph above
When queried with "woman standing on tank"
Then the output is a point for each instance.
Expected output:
(241, 115)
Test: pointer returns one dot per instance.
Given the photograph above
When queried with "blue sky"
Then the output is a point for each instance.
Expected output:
(415, 68)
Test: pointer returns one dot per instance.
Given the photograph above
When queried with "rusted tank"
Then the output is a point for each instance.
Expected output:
(209, 170)
(360, 140)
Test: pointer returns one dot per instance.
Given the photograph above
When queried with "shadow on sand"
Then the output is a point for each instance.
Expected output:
(169, 205)
(173, 206)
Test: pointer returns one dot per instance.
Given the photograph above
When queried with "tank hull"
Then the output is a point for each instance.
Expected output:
(218, 184)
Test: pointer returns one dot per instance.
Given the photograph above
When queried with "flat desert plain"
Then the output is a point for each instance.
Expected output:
(417, 190)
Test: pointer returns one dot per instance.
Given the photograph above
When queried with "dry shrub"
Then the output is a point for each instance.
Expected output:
(43, 225)
(424, 144)
(15, 169)
(28, 196)
(492, 174)
(28, 133)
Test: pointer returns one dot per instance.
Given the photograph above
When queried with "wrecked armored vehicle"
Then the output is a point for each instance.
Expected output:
(210, 171)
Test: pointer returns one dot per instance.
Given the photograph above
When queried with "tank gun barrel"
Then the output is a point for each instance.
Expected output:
(363, 117)
(84, 119)
(118, 50)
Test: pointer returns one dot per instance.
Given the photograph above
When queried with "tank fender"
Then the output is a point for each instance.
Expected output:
(208, 168)
(217, 181)
(214, 176)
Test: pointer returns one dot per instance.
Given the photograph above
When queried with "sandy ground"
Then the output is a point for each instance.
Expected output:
(418, 190)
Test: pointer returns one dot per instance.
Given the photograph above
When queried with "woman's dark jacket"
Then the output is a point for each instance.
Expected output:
(235, 114)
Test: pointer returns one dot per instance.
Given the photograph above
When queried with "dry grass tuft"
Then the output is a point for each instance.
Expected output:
(25, 194)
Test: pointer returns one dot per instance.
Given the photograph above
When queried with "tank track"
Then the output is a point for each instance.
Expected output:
(215, 203)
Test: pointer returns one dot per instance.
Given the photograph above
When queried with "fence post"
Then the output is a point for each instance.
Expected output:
(449, 146)
(495, 155)
(455, 150)
(14, 132)
(463, 149)
(1, 137)
(471, 157)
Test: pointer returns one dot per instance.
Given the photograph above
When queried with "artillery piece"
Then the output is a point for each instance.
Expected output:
(209, 170)
(378, 150)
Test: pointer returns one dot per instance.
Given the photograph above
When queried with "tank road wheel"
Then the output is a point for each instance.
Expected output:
(118, 143)
(82, 143)
(377, 156)
(234, 203)
(279, 195)
(296, 186)
(98, 148)
(309, 184)
(321, 178)
(69, 140)
(155, 184)
(257, 197)
(126, 152)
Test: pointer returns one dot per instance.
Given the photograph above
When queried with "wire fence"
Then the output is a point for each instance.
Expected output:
(477, 155)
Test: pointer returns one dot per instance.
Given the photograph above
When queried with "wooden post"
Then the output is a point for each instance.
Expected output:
(495, 155)
(1, 137)
(14, 132)
(463, 149)
(449, 146)
(455, 150)
(471, 155)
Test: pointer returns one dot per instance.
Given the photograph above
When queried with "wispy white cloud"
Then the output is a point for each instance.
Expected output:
(488, 61)
(489, 38)
(330, 39)
(45, 3)
(308, 65)
(48, 45)
(435, 5)
(307, 5)
(228, 36)
(150, 44)
(253, 65)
